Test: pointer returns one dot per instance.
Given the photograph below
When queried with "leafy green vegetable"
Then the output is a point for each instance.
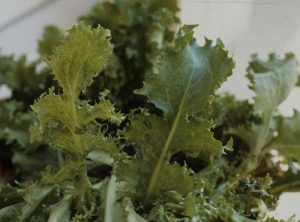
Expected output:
(140, 29)
(185, 154)
(272, 82)
(52, 37)
(183, 88)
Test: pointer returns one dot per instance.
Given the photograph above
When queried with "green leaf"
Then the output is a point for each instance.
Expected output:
(287, 142)
(14, 123)
(28, 165)
(183, 89)
(35, 194)
(81, 57)
(61, 211)
(64, 120)
(24, 79)
(188, 78)
(272, 82)
(140, 29)
(290, 182)
(52, 37)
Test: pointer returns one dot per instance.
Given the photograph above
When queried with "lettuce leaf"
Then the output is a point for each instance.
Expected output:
(183, 89)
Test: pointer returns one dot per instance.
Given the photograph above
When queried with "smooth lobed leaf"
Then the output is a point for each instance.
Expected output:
(188, 78)
(272, 82)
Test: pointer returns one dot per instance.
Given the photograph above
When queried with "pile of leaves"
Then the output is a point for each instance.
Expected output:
(125, 125)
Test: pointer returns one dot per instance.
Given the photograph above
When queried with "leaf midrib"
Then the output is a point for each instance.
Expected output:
(155, 174)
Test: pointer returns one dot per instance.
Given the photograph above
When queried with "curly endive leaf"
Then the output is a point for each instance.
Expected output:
(64, 120)
(65, 125)
(272, 82)
(84, 53)
(183, 89)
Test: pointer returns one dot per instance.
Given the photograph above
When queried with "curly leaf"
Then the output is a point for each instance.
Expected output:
(64, 120)
(84, 53)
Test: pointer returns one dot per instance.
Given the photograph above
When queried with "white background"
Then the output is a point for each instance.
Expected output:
(245, 27)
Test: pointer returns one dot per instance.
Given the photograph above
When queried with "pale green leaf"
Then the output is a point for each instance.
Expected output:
(35, 194)
(64, 120)
(61, 211)
(83, 54)
(272, 82)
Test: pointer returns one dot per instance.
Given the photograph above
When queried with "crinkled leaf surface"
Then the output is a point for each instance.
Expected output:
(140, 29)
(83, 54)
(64, 120)
(184, 87)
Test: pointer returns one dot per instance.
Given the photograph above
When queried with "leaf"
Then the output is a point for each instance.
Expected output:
(24, 79)
(14, 123)
(35, 194)
(231, 112)
(287, 142)
(272, 82)
(85, 52)
(130, 214)
(61, 210)
(64, 120)
(290, 182)
(52, 37)
(185, 86)
(187, 180)
(188, 78)
(28, 165)
(140, 29)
